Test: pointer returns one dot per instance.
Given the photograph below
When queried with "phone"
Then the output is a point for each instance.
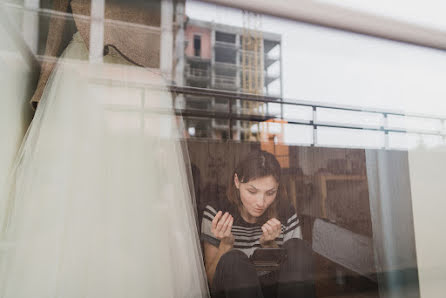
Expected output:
(268, 259)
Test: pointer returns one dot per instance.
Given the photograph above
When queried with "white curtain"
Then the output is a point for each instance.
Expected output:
(100, 204)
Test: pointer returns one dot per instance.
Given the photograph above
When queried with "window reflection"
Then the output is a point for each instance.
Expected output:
(356, 124)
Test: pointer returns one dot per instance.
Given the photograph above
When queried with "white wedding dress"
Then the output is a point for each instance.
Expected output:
(100, 204)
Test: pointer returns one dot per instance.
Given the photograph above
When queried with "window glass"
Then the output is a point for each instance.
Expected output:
(140, 137)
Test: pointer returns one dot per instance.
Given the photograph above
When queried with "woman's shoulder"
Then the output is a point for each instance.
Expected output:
(287, 213)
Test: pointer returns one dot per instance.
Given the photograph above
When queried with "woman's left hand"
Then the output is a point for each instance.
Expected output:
(271, 230)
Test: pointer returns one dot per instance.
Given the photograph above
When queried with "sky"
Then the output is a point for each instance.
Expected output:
(332, 66)
(336, 67)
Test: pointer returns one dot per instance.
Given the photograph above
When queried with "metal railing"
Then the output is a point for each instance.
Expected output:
(232, 116)
(225, 44)
(223, 81)
(197, 72)
(234, 113)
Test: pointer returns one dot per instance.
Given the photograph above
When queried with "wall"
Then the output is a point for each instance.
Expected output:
(205, 41)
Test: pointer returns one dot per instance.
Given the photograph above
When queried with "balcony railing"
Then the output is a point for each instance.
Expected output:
(225, 82)
(224, 44)
(197, 73)
(385, 126)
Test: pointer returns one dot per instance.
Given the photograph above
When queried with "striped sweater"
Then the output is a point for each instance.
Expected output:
(247, 235)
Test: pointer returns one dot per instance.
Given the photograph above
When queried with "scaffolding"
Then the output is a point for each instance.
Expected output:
(252, 68)
(237, 59)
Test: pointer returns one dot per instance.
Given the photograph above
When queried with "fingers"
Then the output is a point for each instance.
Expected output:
(216, 219)
(275, 224)
(228, 227)
(271, 229)
(222, 225)
(226, 223)
(267, 231)
(222, 221)
(275, 221)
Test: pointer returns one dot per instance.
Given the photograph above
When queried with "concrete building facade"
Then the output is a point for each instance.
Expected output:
(215, 57)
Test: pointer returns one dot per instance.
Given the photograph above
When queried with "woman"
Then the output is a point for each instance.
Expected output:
(254, 216)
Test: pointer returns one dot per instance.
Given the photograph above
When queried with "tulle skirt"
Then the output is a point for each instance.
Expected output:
(99, 204)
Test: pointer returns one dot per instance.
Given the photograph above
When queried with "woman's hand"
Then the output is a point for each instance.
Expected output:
(271, 230)
(221, 228)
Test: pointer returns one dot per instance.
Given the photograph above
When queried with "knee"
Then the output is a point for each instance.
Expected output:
(234, 255)
(235, 272)
(235, 263)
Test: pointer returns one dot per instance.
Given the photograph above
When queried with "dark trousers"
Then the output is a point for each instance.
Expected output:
(236, 277)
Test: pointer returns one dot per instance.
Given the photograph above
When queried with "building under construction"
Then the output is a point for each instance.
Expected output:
(236, 59)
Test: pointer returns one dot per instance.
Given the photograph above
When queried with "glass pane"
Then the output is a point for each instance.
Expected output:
(128, 125)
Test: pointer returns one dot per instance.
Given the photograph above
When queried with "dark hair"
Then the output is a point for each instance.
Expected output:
(257, 164)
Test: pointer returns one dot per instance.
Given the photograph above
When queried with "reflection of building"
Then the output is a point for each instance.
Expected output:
(238, 59)
(272, 140)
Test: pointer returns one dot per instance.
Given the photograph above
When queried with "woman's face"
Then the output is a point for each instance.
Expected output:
(257, 195)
